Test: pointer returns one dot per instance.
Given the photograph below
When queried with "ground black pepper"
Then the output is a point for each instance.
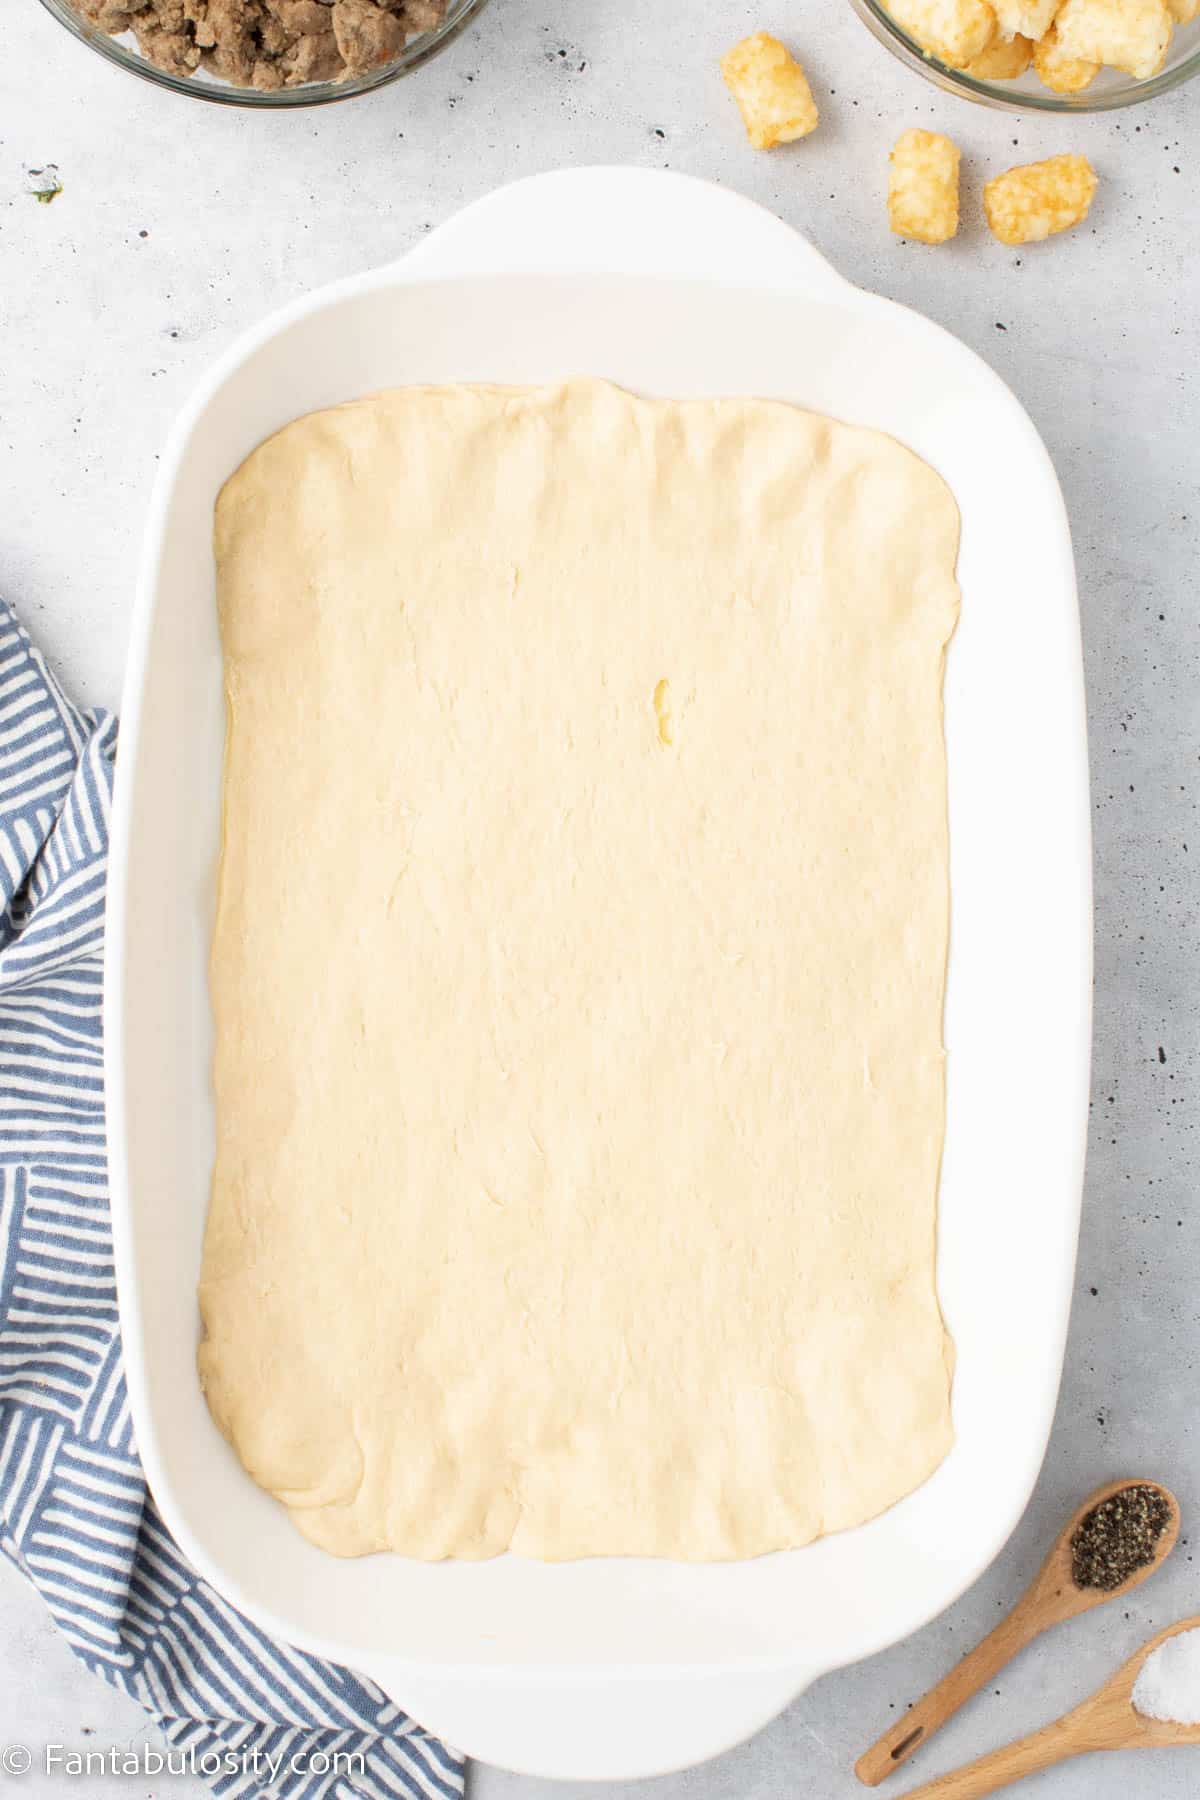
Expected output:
(1118, 1537)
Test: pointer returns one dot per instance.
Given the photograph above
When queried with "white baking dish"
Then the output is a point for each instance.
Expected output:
(619, 1668)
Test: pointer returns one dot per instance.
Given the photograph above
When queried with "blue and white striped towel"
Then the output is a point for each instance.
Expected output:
(75, 1514)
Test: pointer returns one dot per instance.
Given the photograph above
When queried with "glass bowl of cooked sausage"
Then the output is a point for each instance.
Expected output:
(267, 52)
(1043, 55)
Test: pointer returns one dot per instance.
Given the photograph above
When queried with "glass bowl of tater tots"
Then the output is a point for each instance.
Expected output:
(1047, 55)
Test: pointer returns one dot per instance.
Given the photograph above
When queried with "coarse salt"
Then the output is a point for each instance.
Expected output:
(1168, 1686)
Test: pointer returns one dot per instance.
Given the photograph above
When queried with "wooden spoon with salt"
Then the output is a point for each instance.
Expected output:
(1052, 1597)
(1107, 1721)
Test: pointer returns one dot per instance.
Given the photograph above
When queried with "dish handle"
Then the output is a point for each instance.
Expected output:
(592, 1726)
(625, 221)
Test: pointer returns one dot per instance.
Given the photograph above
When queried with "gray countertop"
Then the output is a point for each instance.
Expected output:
(163, 245)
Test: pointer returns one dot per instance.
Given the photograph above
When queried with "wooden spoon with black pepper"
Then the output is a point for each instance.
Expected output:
(1109, 1546)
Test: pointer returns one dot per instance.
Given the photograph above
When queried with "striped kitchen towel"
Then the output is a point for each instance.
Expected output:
(251, 1715)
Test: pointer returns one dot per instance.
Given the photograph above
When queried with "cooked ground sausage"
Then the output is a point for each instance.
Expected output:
(268, 43)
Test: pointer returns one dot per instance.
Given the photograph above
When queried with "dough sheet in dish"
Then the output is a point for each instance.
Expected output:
(578, 974)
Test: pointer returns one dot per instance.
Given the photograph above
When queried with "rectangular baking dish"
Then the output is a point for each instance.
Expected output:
(618, 1668)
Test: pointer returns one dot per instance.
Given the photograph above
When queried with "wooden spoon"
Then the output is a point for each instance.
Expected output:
(1051, 1598)
(1107, 1721)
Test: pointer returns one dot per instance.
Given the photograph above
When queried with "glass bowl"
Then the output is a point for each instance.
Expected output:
(1026, 94)
(201, 86)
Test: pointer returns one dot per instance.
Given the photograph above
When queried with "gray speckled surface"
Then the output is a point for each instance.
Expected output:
(179, 225)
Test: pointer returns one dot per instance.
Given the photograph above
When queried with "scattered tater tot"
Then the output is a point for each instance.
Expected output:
(923, 187)
(771, 90)
(955, 31)
(1184, 11)
(1003, 60)
(1025, 205)
(1031, 18)
(1062, 74)
(1132, 35)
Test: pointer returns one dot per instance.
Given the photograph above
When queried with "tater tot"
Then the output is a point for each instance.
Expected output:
(1031, 18)
(923, 187)
(771, 90)
(1003, 60)
(1062, 74)
(1183, 11)
(1025, 205)
(955, 31)
(1132, 35)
